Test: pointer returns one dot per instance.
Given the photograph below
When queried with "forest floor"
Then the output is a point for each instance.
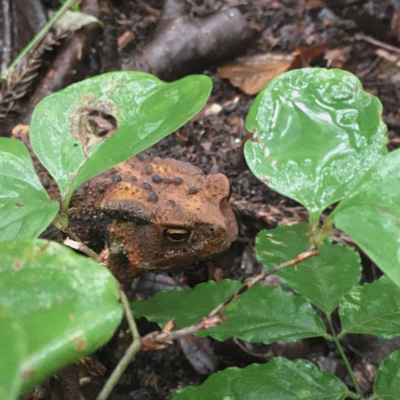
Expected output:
(360, 36)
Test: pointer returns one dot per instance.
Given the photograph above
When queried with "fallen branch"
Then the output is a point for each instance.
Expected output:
(185, 45)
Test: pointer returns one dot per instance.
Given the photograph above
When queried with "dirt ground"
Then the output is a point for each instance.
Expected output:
(361, 36)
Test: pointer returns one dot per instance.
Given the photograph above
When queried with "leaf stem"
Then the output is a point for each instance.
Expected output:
(39, 36)
(120, 368)
(343, 355)
(132, 350)
(128, 314)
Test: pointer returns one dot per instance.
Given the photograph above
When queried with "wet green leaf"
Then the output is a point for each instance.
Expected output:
(267, 314)
(25, 208)
(146, 109)
(387, 380)
(371, 216)
(322, 279)
(11, 350)
(316, 133)
(373, 308)
(185, 306)
(45, 287)
(279, 379)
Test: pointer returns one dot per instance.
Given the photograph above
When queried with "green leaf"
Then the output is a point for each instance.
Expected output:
(322, 279)
(371, 216)
(146, 109)
(279, 379)
(66, 304)
(316, 133)
(387, 380)
(186, 306)
(25, 208)
(373, 308)
(11, 350)
(267, 314)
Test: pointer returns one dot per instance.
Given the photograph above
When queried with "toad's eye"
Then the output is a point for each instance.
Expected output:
(176, 235)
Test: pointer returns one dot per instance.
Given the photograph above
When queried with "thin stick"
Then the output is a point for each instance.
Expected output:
(77, 244)
(378, 43)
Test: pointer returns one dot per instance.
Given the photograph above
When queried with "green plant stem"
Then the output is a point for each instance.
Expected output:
(353, 396)
(346, 361)
(129, 354)
(128, 314)
(120, 368)
(39, 36)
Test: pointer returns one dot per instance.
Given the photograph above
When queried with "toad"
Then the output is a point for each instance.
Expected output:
(149, 213)
(154, 213)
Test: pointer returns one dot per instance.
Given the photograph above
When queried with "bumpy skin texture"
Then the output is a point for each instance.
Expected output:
(155, 214)
(149, 213)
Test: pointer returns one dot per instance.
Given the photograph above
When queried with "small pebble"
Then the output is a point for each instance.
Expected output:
(146, 186)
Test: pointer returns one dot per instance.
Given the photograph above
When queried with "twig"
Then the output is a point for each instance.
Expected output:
(378, 43)
(77, 244)
(156, 340)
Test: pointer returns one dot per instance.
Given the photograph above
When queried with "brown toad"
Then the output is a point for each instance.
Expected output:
(154, 213)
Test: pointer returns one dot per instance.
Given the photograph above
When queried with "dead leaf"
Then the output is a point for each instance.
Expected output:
(251, 74)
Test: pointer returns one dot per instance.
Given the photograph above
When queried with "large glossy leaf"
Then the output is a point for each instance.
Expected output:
(373, 308)
(66, 304)
(316, 132)
(371, 216)
(387, 380)
(322, 279)
(267, 314)
(279, 379)
(11, 350)
(25, 208)
(185, 306)
(146, 110)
